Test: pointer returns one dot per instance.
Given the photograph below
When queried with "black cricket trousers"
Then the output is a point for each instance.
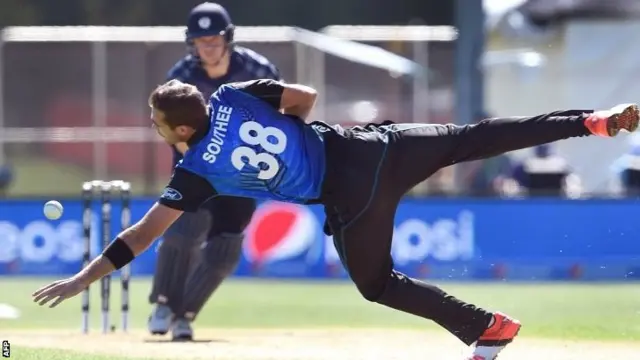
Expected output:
(369, 170)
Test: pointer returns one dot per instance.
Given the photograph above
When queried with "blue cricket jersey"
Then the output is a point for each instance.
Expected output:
(244, 64)
(252, 150)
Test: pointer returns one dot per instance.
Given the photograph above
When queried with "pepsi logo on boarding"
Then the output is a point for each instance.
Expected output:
(279, 231)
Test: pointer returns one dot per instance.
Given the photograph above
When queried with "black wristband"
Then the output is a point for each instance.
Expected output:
(118, 253)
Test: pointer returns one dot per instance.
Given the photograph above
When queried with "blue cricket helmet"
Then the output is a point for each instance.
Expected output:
(209, 19)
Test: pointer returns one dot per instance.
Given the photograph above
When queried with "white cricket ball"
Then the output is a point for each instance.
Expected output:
(53, 210)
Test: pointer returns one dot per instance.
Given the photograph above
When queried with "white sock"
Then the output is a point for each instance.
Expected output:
(488, 352)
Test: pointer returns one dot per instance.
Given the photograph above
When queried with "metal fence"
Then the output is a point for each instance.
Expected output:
(74, 99)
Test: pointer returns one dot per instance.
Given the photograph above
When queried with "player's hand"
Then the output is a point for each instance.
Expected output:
(59, 291)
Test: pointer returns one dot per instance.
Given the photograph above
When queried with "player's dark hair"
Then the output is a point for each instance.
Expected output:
(181, 104)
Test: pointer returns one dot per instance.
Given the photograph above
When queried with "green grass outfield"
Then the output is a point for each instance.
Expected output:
(564, 311)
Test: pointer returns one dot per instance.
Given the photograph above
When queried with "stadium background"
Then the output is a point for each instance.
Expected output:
(73, 108)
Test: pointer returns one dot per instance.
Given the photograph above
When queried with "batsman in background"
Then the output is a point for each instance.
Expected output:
(201, 249)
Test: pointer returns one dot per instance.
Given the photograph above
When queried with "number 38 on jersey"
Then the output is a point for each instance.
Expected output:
(273, 141)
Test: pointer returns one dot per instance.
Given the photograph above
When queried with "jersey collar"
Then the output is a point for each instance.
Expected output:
(236, 63)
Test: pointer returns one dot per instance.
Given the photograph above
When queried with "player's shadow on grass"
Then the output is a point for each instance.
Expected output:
(196, 341)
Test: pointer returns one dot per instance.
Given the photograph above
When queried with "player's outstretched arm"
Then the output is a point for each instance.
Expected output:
(186, 192)
(127, 245)
(133, 241)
